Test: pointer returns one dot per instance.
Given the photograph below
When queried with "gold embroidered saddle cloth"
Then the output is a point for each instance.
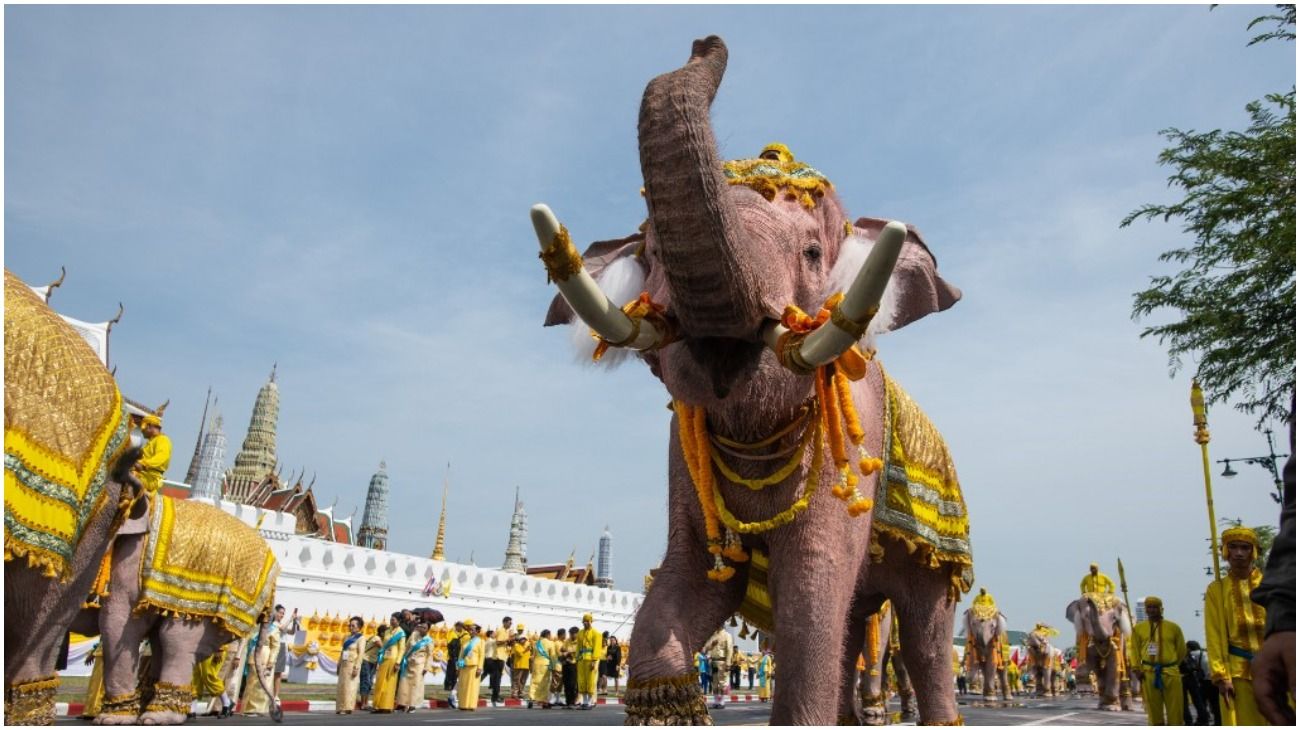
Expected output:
(919, 500)
(200, 562)
(64, 429)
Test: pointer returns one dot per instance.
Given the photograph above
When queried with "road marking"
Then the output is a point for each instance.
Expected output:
(1046, 720)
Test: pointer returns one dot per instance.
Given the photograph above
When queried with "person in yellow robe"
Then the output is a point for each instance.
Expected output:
(261, 661)
(766, 675)
(521, 657)
(1234, 628)
(232, 675)
(543, 664)
(591, 647)
(95, 687)
(390, 659)
(206, 678)
(349, 668)
(470, 665)
(1155, 651)
(1096, 581)
(1013, 677)
(410, 686)
(156, 455)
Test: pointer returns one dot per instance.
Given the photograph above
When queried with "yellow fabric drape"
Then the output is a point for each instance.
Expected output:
(206, 677)
(95, 687)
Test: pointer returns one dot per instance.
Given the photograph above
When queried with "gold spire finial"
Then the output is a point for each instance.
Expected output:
(440, 542)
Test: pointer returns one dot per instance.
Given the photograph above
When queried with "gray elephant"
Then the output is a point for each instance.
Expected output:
(1042, 659)
(986, 631)
(68, 457)
(756, 299)
(189, 578)
(1102, 618)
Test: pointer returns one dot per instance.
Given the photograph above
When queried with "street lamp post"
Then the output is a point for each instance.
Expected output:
(1268, 462)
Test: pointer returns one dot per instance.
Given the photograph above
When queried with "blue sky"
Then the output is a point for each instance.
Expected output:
(344, 191)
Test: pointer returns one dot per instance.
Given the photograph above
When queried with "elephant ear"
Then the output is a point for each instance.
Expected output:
(915, 289)
(137, 520)
(620, 270)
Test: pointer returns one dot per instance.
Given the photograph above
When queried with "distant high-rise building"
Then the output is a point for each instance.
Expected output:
(605, 561)
(212, 463)
(516, 548)
(374, 521)
(256, 459)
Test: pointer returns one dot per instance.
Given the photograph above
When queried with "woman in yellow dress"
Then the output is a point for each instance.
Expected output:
(539, 691)
(349, 670)
(95, 688)
(410, 686)
(261, 661)
(470, 664)
(390, 657)
(206, 678)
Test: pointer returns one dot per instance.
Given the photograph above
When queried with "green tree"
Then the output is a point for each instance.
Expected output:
(1235, 296)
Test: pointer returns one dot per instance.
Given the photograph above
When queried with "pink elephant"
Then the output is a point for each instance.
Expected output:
(68, 457)
(781, 403)
(1104, 621)
(985, 638)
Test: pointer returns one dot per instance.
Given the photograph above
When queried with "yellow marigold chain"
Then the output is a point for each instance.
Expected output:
(775, 477)
(786, 516)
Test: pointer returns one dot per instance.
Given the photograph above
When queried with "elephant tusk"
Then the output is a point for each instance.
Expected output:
(583, 293)
(850, 319)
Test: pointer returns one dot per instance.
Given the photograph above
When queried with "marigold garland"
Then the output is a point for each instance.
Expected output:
(835, 414)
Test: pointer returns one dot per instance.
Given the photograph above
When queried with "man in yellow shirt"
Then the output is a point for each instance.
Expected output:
(1096, 581)
(1234, 628)
(521, 657)
(590, 650)
(1155, 651)
(156, 455)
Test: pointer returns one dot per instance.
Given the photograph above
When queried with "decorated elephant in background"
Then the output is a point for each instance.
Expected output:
(1042, 659)
(188, 577)
(880, 651)
(785, 405)
(68, 457)
(1102, 618)
(986, 631)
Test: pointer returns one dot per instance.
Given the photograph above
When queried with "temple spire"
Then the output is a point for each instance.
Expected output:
(256, 459)
(207, 482)
(374, 521)
(605, 563)
(440, 542)
(193, 472)
(516, 562)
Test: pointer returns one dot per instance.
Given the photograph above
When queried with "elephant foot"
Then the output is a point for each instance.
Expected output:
(666, 701)
(102, 719)
(847, 721)
(875, 716)
(31, 702)
(119, 710)
(162, 717)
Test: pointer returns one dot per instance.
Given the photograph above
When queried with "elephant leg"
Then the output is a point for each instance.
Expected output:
(181, 645)
(38, 611)
(811, 602)
(120, 633)
(1006, 684)
(904, 687)
(847, 713)
(925, 621)
(681, 610)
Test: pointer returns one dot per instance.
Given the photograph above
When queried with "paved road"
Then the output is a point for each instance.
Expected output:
(1019, 712)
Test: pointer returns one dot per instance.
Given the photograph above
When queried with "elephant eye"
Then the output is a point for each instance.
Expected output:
(813, 253)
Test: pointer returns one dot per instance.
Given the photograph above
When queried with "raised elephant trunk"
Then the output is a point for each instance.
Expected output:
(696, 225)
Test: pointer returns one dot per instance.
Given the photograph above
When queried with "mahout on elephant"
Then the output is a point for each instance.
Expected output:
(1103, 620)
(88, 547)
(770, 405)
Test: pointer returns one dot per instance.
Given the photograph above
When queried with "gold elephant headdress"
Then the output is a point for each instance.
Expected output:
(776, 170)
